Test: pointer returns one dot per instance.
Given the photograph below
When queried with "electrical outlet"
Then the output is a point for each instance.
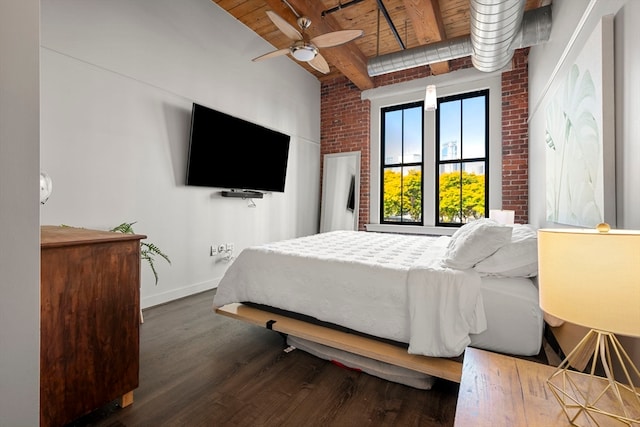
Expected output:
(221, 248)
(229, 247)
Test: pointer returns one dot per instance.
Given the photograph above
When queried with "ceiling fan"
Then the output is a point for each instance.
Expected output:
(305, 49)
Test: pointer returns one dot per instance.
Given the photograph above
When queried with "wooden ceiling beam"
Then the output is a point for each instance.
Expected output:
(426, 20)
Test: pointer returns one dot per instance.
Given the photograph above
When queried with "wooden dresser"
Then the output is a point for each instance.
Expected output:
(89, 325)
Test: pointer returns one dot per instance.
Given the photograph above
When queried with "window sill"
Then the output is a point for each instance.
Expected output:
(411, 229)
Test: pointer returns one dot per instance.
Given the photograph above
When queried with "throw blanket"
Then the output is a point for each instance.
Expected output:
(445, 306)
(386, 285)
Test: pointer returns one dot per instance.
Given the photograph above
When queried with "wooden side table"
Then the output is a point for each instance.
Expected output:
(497, 390)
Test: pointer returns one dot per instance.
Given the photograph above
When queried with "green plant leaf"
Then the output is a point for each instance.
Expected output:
(148, 250)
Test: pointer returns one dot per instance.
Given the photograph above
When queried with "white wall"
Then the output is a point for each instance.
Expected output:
(542, 61)
(118, 82)
(627, 66)
(19, 209)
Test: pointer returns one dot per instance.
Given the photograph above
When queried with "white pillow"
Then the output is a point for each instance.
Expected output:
(475, 241)
(518, 258)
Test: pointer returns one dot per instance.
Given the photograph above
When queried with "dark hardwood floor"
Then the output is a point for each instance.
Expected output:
(198, 368)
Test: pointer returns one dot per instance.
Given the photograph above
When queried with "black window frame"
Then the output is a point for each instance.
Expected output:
(384, 166)
(461, 160)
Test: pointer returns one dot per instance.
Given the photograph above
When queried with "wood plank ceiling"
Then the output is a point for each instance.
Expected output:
(415, 23)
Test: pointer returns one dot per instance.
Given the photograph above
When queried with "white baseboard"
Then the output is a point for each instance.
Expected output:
(173, 294)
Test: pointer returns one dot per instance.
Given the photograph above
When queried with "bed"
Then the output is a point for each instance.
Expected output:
(410, 301)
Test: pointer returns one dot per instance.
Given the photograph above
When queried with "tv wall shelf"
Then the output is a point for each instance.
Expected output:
(242, 194)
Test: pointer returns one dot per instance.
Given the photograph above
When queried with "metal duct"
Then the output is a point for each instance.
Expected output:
(535, 29)
(494, 25)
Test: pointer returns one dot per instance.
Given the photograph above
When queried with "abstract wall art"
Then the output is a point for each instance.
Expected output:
(580, 136)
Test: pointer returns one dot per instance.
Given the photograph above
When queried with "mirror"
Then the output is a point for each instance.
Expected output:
(340, 191)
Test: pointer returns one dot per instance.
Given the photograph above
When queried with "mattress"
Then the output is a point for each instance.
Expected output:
(373, 283)
(515, 322)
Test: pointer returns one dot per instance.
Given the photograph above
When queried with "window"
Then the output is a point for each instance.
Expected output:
(462, 144)
(459, 161)
(402, 146)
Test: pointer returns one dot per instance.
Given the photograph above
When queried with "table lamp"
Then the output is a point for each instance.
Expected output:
(592, 278)
(502, 216)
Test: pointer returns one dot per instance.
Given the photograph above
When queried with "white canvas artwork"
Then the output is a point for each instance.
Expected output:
(578, 137)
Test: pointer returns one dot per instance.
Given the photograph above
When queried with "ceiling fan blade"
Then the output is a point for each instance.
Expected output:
(286, 28)
(272, 54)
(336, 38)
(320, 64)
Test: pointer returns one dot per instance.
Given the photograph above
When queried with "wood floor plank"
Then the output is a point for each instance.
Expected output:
(198, 368)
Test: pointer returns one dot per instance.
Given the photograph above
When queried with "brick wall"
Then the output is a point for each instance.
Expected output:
(344, 126)
(515, 137)
(345, 118)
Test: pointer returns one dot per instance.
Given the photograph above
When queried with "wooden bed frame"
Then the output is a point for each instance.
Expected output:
(448, 369)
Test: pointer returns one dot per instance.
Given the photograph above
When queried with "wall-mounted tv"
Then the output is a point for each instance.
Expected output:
(231, 153)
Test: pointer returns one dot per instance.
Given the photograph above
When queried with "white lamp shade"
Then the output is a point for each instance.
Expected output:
(591, 278)
(502, 216)
(430, 98)
(303, 51)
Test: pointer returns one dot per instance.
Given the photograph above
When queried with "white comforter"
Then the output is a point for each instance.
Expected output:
(386, 285)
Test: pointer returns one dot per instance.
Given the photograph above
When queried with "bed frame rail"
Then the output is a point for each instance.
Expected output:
(445, 368)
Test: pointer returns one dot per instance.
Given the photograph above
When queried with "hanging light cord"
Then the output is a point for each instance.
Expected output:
(378, 32)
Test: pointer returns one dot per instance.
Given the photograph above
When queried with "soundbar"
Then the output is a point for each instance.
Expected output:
(243, 194)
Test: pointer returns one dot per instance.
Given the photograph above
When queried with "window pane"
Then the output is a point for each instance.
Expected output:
(412, 194)
(474, 127)
(413, 135)
(392, 194)
(473, 190)
(461, 192)
(450, 131)
(392, 137)
(449, 209)
(402, 194)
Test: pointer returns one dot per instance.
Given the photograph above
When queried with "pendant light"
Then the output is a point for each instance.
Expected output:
(430, 98)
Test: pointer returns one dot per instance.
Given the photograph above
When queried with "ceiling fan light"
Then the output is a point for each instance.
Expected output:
(304, 52)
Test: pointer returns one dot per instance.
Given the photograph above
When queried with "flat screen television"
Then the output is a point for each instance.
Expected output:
(231, 153)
